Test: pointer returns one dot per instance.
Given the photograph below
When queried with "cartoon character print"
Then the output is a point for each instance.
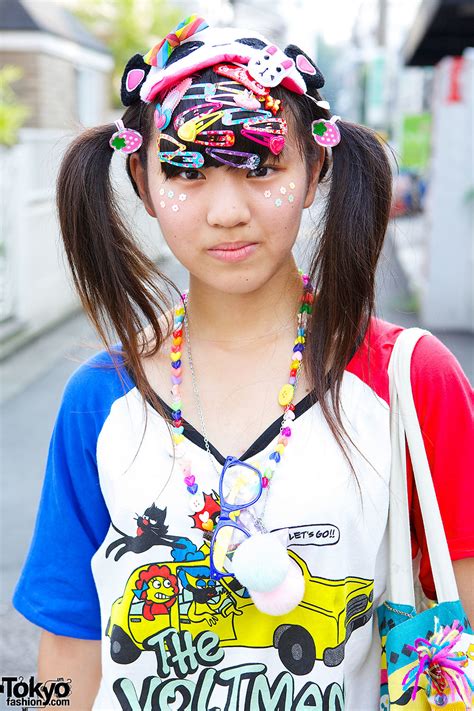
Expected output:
(209, 599)
(207, 511)
(270, 66)
(158, 588)
(151, 531)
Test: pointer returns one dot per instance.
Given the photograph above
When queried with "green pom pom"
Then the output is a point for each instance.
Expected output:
(119, 142)
(319, 129)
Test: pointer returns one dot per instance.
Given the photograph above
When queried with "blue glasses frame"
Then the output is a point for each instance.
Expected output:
(227, 509)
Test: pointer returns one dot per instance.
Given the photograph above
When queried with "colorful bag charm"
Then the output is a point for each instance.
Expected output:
(126, 140)
(427, 657)
(326, 133)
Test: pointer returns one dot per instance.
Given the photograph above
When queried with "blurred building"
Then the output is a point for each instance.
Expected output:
(65, 68)
(65, 86)
(442, 36)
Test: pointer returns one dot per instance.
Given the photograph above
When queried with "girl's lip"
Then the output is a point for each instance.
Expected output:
(231, 245)
(234, 255)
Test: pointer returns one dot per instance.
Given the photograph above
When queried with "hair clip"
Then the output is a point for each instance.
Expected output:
(208, 90)
(275, 143)
(267, 125)
(171, 139)
(189, 130)
(325, 132)
(273, 104)
(182, 159)
(194, 112)
(164, 110)
(125, 140)
(244, 160)
(241, 75)
(179, 157)
(229, 114)
(218, 138)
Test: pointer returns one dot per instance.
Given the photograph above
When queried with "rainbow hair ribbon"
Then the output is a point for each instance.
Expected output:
(159, 54)
(442, 668)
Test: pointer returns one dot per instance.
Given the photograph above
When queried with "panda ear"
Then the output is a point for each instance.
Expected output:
(306, 67)
(133, 77)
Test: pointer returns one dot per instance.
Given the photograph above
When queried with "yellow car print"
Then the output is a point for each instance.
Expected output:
(181, 595)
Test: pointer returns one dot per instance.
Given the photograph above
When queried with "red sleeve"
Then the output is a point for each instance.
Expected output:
(444, 402)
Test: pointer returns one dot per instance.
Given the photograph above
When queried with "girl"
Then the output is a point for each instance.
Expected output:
(223, 543)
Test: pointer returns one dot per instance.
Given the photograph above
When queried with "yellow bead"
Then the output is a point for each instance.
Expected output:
(295, 364)
(280, 448)
(285, 396)
(179, 311)
(178, 438)
(175, 356)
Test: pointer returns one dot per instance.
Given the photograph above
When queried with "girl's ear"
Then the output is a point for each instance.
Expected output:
(314, 178)
(139, 176)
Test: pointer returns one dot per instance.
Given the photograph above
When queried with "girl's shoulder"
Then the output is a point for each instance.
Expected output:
(433, 365)
(97, 381)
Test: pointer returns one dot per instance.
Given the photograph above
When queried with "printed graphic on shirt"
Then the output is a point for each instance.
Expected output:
(151, 531)
(181, 595)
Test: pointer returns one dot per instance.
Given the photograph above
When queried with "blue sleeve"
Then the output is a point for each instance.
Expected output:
(56, 589)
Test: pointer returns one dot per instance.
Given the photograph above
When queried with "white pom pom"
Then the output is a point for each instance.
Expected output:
(285, 597)
(261, 562)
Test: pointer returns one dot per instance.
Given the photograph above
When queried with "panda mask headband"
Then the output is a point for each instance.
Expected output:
(193, 46)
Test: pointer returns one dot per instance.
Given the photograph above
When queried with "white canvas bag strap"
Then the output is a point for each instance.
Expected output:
(404, 421)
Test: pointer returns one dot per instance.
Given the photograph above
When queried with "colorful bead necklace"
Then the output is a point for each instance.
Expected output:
(285, 398)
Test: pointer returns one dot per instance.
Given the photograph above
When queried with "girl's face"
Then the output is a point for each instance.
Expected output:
(200, 210)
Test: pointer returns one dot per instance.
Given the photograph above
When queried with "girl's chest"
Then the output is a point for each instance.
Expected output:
(233, 399)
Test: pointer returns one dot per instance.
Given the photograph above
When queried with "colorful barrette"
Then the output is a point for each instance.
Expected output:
(275, 143)
(241, 75)
(194, 112)
(216, 138)
(276, 126)
(160, 53)
(190, 129)
(243, 159)
(164, 110)
(180, 156)
(325, 132)
(273, 104)
(125, 140)
(182, 159)
(240, 115)
(207, 90)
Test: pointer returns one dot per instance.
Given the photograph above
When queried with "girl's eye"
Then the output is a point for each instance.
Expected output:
(261, 172)
(190, 174)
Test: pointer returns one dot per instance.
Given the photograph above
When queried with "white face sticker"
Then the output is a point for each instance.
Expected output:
(283, 191)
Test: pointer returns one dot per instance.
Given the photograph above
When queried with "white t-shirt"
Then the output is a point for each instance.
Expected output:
(131, 566)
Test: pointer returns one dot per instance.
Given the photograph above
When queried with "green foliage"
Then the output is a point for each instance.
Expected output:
(127, 27)
(12, 112)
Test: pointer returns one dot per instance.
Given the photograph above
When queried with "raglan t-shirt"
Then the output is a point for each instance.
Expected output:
(118, 556)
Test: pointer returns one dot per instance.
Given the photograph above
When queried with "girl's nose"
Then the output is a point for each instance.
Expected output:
(228, 206)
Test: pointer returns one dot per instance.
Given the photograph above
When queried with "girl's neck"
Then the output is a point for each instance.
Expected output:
(231, 322)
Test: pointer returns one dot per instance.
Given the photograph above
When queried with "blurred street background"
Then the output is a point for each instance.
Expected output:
(402, 67)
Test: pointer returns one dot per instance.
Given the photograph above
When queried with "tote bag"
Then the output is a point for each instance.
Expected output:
(427, 657)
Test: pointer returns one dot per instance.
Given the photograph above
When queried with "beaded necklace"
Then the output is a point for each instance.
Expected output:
(285, 399)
